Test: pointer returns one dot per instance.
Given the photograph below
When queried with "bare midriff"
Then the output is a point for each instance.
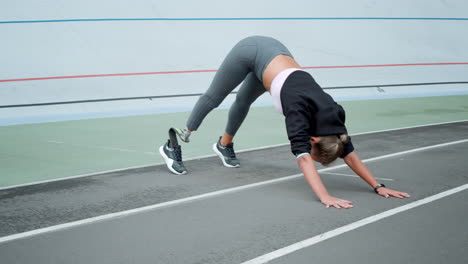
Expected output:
(278, 64)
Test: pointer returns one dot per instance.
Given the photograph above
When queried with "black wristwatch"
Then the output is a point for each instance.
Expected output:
(378, 186)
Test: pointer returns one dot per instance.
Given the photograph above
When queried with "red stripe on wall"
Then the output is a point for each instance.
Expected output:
(388, 65)
(202, 71)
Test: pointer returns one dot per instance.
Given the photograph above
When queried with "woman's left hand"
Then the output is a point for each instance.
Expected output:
(387, 193)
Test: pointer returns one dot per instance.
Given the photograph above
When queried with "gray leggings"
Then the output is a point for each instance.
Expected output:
(245, 62)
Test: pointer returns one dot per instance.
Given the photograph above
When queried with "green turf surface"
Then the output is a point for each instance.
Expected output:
(37, 152)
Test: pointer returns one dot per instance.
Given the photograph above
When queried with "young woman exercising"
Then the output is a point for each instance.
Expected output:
(315, 123)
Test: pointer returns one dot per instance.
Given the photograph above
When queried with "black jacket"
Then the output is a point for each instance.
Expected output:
(309, 111)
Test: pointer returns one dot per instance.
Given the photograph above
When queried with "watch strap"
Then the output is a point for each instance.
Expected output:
(378, 186)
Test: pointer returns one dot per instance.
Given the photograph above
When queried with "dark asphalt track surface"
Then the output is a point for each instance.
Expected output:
(235, 227)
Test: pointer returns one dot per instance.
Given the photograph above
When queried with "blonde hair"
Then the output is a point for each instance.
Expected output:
(329, 148)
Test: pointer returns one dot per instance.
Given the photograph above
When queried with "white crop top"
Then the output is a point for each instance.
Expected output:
(277, 84)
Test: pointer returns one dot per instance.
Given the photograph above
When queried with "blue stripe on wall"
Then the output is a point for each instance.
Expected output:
(229, 19)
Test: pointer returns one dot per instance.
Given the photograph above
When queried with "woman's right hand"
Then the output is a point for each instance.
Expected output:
(336, 202)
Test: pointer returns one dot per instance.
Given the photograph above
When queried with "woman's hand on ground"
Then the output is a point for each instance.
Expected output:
(387, 193)
(336, 202)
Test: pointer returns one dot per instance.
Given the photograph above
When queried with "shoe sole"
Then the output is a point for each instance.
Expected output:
(169, 162)
(220, 155)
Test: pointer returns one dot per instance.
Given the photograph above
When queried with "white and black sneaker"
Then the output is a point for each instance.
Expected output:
(172, 155)
(226, 154)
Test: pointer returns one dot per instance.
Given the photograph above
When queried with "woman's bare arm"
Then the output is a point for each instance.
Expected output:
(355, 163)
(310, 172)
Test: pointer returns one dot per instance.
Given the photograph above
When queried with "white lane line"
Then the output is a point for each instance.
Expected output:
(354, 176)
(99, 147)
(55, 141)
(199, 197)
(205, 156)
(409, 127)
(338, 231)
(128, 168)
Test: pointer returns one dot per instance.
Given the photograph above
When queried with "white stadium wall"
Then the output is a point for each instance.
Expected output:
(61, 51)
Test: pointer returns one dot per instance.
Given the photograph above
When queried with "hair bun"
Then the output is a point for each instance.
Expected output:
(343, 138)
